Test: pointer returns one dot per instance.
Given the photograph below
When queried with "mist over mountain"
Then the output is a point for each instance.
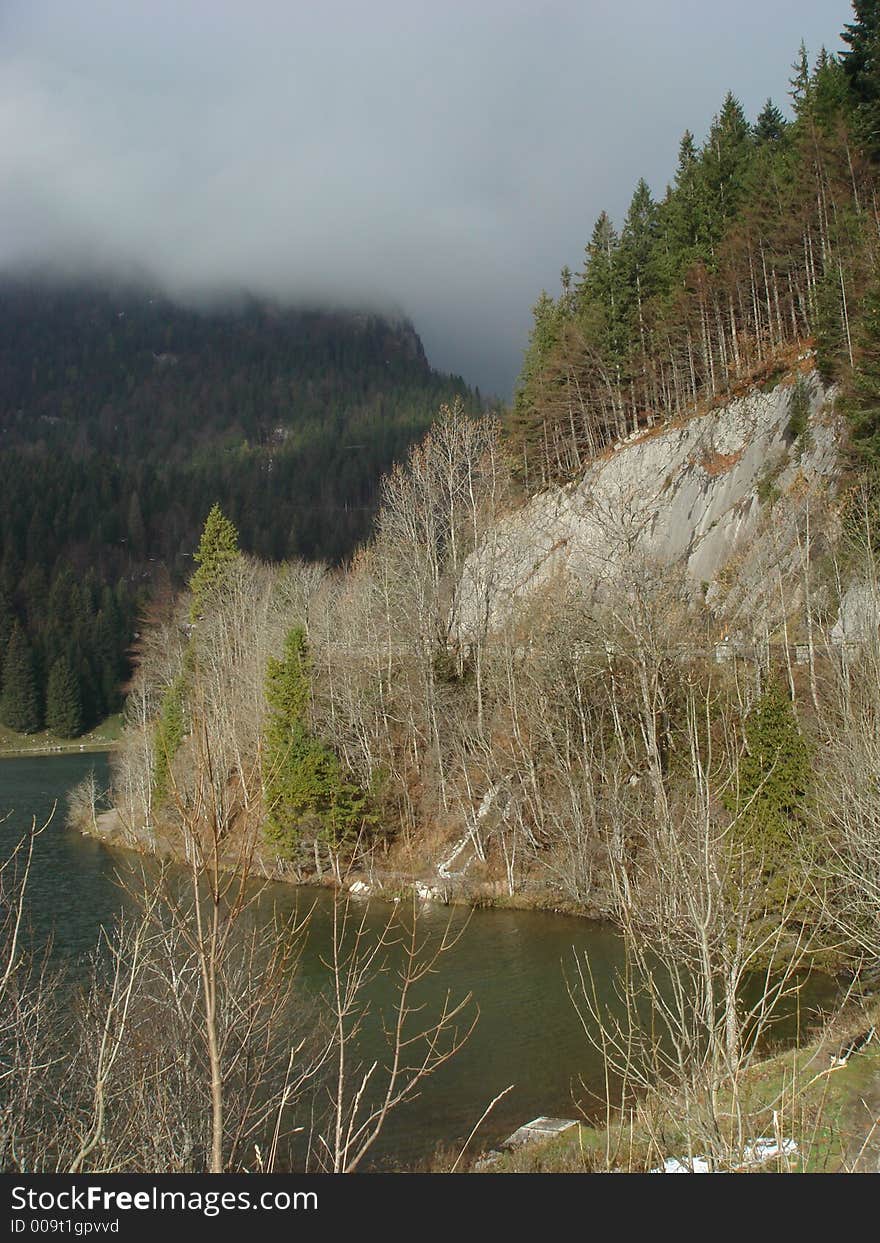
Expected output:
(125, 416)
(440, 159)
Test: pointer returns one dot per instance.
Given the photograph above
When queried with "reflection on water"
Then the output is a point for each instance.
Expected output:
(513, 962)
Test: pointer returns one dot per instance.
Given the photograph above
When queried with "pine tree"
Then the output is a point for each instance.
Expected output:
(218, 549)
(19, 704)
(63, 703)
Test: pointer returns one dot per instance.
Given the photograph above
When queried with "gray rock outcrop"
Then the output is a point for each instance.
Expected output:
(695, 496)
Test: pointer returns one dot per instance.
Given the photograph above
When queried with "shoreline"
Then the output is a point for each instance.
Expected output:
(87, 748)
(109, 829)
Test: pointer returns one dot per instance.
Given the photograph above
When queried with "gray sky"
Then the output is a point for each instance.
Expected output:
(445, 159)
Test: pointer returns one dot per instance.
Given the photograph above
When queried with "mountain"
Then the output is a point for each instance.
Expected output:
(124, 416)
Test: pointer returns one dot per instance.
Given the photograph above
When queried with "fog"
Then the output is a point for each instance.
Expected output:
(443, 160)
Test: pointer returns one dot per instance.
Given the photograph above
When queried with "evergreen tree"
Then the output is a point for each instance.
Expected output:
(861, 66)
(63, 704)
(770, 125)
(723, 162)
(544, 338)
(801, 83)
(638, 242)
(829, 326)
(863, 407)
(7, 621)
(831, 97)
(304, 786)
(218, 549)
(600, 294)
(169, 733)
(19, 704)
(684, 218)
(135, 524)
(770, 801)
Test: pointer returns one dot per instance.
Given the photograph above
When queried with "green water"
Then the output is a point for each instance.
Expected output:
(513, 962)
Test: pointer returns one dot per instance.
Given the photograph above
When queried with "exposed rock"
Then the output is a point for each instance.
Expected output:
(693, 496)
(859, 614)
(428, 893)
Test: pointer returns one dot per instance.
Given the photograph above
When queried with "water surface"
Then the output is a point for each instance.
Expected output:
(515, 964)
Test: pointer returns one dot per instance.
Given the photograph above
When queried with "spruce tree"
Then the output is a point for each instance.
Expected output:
(218, 549)
(286, 741)
(723, 163)
(600, 295)
(685, 217)
(638, 271)
(19, 704)
(63, 703)
(863, 408)
(861, 66)
(304, 787)
(169, 733)
(801, 83)
(7, 621)
(770, 125)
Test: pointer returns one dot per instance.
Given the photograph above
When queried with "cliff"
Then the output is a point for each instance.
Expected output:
(732, 500)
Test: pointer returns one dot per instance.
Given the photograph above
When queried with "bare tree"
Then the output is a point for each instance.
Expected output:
(416, 1044)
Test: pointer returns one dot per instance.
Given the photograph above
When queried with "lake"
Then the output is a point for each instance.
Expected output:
(513, 962)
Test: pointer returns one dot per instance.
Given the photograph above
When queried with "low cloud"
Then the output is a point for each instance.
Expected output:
(443, 160)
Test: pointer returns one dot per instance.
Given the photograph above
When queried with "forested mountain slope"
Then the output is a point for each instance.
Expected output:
(698, 435)
(124, 417)
(766, 239)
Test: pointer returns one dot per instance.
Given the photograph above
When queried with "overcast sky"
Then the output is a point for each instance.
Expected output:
(442, 158)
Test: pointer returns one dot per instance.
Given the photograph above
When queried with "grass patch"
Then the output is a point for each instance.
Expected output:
(104, 736)
(831, 1111)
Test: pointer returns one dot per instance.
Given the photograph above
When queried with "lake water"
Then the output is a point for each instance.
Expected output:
(513, 962)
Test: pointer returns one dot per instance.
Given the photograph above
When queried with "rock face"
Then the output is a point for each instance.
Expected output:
(859, 614)
(694, 496)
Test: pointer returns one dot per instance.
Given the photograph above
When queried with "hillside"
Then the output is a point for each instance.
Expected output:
(616, 654)
(501, 688)
(124, 417)
(718, 501)
(764, 239)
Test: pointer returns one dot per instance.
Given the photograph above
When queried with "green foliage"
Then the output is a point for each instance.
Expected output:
(305, 789)
(770, 125)
(761, 242)
(861, 66)
(771, 798)
(169, 733)
(123, 417)
(799, 411)
(828, 326)
(218, 549)
(863, 405)
(63, 703)
(19, 703)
